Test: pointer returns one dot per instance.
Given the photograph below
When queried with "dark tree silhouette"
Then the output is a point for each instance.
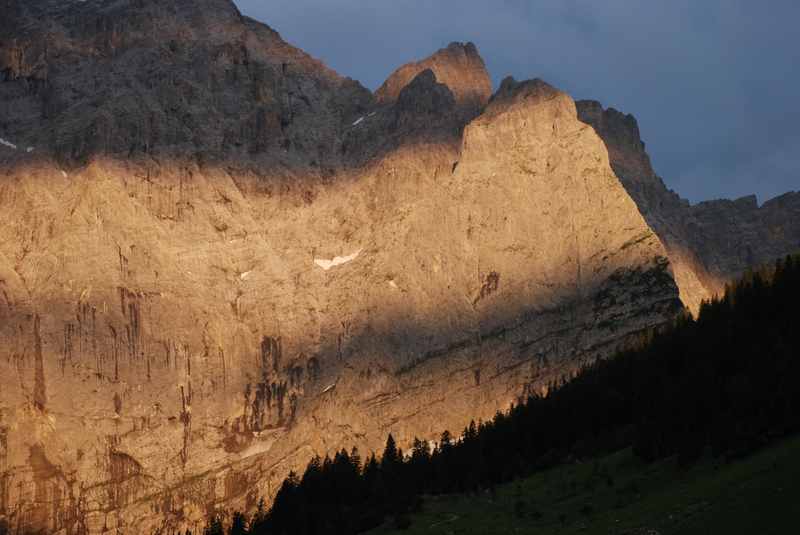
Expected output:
(238, 524)
(214, 527)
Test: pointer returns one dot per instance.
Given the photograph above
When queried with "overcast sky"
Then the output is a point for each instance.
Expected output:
(714, 84)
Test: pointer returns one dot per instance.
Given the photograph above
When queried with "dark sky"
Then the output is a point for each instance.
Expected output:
(714, 84)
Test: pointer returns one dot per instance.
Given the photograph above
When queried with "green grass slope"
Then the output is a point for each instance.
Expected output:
(620, 495)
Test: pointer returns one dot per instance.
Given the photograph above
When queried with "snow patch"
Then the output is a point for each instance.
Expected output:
(244, 275)
(337, 261)
(29, 149)
(7, 144)
(361, 119)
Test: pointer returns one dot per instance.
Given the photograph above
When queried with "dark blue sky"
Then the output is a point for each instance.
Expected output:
(714, 84)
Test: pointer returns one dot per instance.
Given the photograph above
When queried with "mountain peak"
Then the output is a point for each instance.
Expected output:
(459, 66)
(511, 89)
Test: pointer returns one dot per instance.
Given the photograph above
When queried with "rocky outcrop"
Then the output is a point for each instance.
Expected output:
(220, 258)
(709, 243)
(458, 66)
(732, 236)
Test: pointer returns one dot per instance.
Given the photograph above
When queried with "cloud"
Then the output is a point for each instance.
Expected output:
(750, 173)
(713, 84)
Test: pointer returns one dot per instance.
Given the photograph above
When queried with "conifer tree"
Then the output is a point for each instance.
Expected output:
(238, 524)
(214, 527)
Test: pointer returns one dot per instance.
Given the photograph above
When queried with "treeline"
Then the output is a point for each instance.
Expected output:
(724, 384)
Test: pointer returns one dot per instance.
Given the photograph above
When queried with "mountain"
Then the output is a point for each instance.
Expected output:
(709, 243)
(219, 257)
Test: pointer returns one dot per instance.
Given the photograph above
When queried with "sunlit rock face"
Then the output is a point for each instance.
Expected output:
(709, 243)
(220, 258)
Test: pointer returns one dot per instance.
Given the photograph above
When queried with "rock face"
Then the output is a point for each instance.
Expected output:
(731, 236)
(709, 243)
(218, 257)
(131, 77)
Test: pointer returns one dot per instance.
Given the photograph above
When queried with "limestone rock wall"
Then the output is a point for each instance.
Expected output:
(172, 345)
